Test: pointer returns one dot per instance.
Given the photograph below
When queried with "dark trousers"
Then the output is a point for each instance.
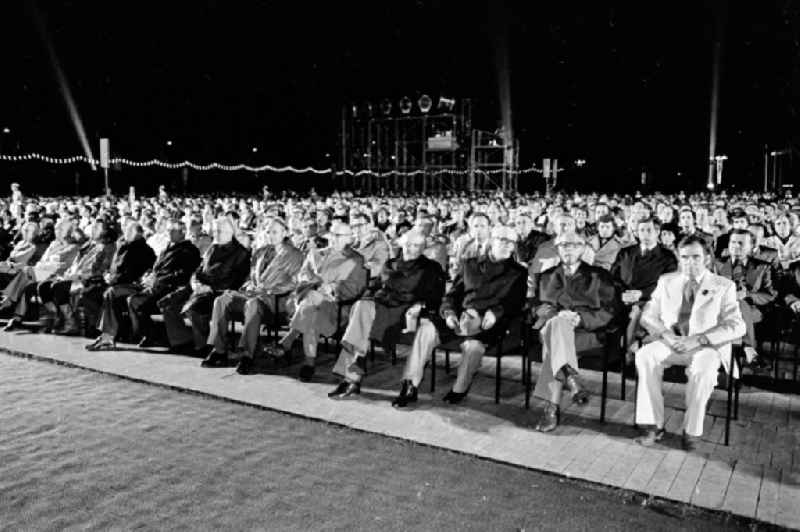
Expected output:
(113, 302)
(198, 310)
(140, 306)
(56, 292)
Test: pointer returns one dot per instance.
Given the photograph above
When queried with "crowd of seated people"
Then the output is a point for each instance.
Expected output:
(684, 276)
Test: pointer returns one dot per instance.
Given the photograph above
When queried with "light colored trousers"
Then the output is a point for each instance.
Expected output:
(558, 350)
(702, 366)
(355, 341)
(426, 339)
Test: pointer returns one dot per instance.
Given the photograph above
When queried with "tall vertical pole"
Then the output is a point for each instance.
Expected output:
(344, 148)
(715, 68)
(766, 169)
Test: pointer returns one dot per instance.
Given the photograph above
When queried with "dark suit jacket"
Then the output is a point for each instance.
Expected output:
(633, 271)
(757, 280)
(791, 284)
(224, 266)
(130, 262)
(485, 284)
(591, 293)
(175, 266)
(403, 283)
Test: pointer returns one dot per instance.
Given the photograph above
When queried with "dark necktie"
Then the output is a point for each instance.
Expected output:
(689, 291)
(738, 271)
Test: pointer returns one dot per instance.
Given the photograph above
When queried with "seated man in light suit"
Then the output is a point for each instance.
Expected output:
(695, 316)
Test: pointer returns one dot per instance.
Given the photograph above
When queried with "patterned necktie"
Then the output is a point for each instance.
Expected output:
(689, 291)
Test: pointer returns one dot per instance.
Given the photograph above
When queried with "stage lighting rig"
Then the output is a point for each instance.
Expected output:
(425, 103)
(405, 105)
(446, 104)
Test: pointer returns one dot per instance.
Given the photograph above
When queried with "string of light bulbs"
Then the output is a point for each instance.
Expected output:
(249, 168)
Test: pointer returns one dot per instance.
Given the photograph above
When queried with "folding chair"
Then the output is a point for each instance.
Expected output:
(512, 343)
(733, 386)
(612, 341)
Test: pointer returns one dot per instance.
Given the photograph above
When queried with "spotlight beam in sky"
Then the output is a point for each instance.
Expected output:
(61, 79)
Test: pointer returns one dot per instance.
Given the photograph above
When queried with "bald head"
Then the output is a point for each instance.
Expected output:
(413, 244)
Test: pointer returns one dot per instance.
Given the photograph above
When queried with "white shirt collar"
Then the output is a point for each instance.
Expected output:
(699, 280)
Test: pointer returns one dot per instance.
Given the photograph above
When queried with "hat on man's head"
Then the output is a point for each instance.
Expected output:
(570, 237)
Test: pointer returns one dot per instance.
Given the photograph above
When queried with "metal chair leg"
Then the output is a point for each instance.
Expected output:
(497, 368)
(528, 384)
(605, 386)
(433, 371)
(635, 395)
(623, 366)
(730, 399)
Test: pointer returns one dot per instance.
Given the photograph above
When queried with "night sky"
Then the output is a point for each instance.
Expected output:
(625, 87)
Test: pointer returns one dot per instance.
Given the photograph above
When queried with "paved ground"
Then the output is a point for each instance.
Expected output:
(757, 476)
(87, 451)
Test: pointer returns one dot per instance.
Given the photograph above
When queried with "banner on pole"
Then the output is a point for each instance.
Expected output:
(105, 153)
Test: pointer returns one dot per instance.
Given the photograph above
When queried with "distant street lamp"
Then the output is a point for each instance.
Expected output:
(255, 150)
(719, 160)
(6, 133)
(169, 143)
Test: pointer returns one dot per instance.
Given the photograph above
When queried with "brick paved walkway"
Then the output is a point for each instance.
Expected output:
(758, 475)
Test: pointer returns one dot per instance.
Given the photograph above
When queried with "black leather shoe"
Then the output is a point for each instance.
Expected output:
(215, 360)
(245, 366)
(12, 324)
(579, 395)
(339, 390)
(454, 397)
(306, 373)
(353, 388)
(651, 437)
(147, 342)
(550, 418)
(408, 395)
(689, 443)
